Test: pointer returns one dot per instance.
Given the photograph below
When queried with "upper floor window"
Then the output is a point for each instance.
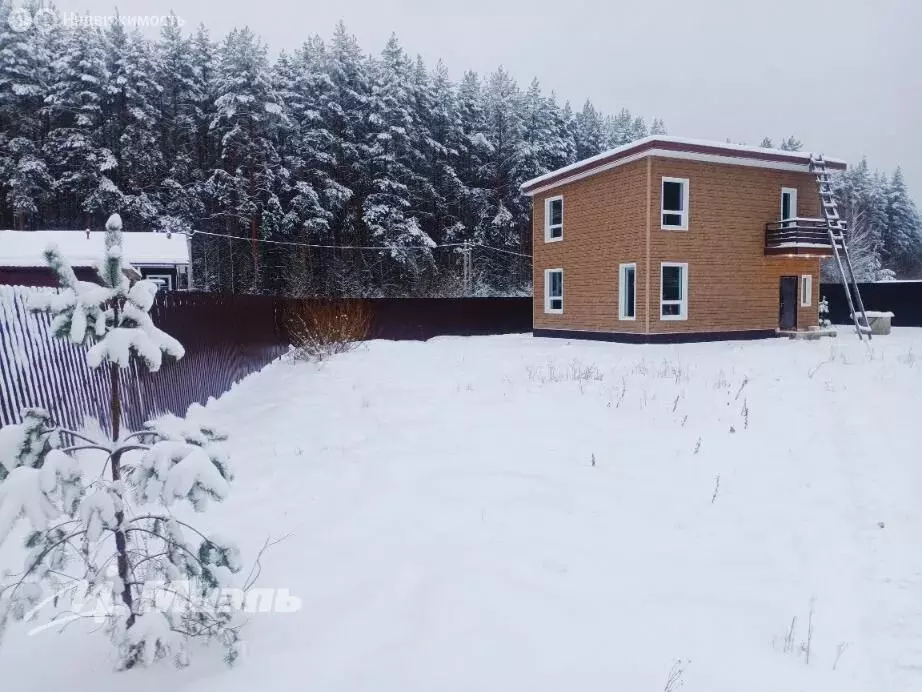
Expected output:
(553, 219)
(788, 203)
(674, 204)
(553, 290)
(673, 291)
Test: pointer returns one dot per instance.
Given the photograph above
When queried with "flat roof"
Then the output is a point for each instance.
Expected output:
(680, 148)
(85, 249)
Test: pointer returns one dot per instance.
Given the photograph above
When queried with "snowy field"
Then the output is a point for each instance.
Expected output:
(511, 513)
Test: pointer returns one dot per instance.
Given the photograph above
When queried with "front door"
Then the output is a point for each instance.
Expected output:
(788, 310)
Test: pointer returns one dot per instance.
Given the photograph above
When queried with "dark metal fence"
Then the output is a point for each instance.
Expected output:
(226, 337)
(902, 298)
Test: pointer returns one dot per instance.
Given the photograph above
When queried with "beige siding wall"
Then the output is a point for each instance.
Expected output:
(604, 225)
(732, 285)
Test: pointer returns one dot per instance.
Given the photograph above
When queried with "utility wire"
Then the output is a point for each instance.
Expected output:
(378, 248)
(499, 249)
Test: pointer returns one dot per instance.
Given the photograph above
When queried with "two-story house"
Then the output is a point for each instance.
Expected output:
(669, 239)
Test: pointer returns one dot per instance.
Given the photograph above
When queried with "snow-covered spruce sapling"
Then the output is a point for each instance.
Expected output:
(825, 322)
(105, 535)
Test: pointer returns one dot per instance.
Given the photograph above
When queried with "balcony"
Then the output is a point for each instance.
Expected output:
(798, 237)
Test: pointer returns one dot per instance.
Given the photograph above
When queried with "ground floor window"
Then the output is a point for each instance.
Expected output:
(806, 291)
(553, 290)
(673, 291)
(627, 292)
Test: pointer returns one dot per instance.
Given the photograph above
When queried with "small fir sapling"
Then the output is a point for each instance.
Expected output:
(114, 532)
(825, 322)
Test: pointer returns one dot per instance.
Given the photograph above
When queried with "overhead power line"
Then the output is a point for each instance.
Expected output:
(375, 248)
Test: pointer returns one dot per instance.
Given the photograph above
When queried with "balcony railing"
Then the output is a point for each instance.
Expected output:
(798, 236)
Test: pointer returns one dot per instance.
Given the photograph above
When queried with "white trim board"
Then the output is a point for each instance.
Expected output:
(681, 155)
(654, 140)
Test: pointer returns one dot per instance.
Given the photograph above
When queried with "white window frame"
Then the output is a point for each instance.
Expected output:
(547, 292)
(683, 226)
(683, 303)
(806, 290)
(622, 291)
(792, 192)
(548, 238)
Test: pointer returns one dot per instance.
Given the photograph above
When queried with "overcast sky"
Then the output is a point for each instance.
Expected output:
(844, 76)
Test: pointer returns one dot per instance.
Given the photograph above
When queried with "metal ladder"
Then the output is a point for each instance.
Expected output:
(836, 228)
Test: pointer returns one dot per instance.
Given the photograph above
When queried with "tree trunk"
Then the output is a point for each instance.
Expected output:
(121, 544)
(255, 250)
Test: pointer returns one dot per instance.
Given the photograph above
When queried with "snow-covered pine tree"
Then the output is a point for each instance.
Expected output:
(902, 241)
(24, 74)
(589, 135)
(567, 131)
(619, 129)
(345, 111)
(657, 127)
(209, 255)
(562, 149)
(80, 162)
(388, 209)
(861, 208)
(541, 146)
(824, 320)
(446, 142)
(247, 118)
(177, 123)
(791, 144)
(130, 122)
(474, 150)
(638, 128)
(83, 524)
(505, 223)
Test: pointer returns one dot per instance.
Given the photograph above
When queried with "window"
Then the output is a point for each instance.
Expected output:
(674, 202)
(553, 290)
(553, 219)
(788, 204)
(806, 291)
(163, 281)
(673, 291)
(627, 292)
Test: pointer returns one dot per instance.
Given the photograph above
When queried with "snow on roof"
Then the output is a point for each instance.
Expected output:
(25, 248)
(680, 144)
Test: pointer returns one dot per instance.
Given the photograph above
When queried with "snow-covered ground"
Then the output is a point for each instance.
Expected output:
(511, 513)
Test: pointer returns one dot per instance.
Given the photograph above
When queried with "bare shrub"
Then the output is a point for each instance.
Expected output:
(840, 649)
(909, 358)
(788, 644)
(675, 681)
(672, 371)
(575, 371)
(318, 330)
